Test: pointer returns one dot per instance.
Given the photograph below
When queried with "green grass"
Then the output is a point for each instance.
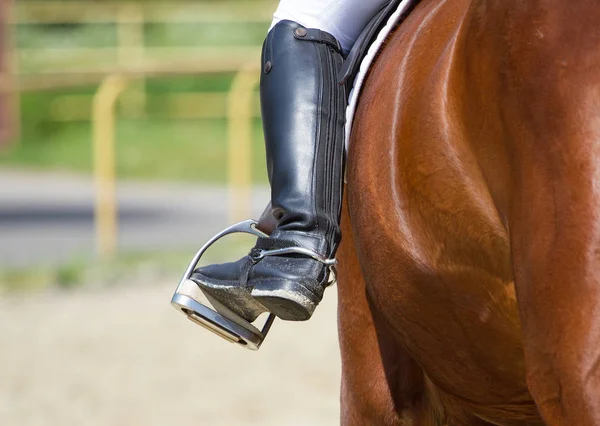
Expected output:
(33, 41)
(207, 34)
(182, 34)
(161, 150)
(124, 269)
(153, 148)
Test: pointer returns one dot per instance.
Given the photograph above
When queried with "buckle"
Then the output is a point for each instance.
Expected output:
(226, 324)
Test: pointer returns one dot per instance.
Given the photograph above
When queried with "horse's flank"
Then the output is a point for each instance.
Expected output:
(474, 199)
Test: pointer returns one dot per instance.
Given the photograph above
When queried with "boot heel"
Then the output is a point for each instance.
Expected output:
(289, 301)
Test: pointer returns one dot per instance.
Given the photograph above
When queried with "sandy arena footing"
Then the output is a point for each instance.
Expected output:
(123, 356)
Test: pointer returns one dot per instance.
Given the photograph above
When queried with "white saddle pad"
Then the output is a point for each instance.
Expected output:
(368, 61)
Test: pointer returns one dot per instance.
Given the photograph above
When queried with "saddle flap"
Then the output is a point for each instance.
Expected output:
(352, 63)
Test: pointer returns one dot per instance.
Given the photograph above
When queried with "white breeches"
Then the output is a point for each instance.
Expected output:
(344, 19)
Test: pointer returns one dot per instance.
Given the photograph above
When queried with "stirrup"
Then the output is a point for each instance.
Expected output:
(226, 324)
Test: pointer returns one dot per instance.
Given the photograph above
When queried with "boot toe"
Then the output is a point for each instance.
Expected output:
(221, 272)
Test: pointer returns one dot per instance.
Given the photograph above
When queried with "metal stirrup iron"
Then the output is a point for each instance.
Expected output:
(230, 327)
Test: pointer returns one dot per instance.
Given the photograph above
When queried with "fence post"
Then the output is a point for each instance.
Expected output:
(9, 94)
(130, 39)
(240, 141)
(103, 125)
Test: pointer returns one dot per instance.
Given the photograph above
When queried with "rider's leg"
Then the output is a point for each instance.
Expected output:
(303, 118)
(344, 19)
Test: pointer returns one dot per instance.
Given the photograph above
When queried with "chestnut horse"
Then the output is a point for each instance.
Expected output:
(470, 268)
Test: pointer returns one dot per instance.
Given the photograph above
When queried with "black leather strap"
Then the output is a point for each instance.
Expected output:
(314, 35)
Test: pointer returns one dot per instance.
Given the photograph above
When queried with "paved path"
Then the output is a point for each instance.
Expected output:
(48, 217)
(124, 357)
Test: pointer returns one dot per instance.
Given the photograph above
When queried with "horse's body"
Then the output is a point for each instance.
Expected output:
(473, 209)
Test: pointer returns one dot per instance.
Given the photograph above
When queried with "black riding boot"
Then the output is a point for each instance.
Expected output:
(303, 110)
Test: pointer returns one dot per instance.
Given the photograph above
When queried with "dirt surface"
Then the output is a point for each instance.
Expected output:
(116, 357)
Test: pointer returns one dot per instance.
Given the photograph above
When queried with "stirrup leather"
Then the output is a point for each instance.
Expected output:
(225, 324)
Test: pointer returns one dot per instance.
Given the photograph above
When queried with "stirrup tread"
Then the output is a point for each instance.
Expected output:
(226, 325)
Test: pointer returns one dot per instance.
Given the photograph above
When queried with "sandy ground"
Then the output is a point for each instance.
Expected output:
(125, 357)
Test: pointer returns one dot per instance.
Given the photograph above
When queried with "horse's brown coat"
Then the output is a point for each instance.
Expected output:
(474, 213)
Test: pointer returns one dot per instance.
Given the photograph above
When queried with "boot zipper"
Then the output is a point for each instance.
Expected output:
(330, 142)
(332, 147)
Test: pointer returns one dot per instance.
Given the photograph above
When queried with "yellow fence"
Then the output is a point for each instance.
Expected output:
(92, 12)
(240, 114)
(137, 62)
(59, 66)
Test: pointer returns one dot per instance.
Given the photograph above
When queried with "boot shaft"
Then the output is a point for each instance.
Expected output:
(303, 110)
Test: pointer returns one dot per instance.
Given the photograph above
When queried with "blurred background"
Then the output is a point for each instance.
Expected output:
(130, 134)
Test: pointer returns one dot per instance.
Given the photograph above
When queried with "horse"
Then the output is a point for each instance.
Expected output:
(469, 270)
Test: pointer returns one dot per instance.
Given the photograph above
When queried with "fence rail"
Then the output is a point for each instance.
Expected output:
(61, 67)
(71, 61)
(58, 80)
(131, 60)
(176, 106)
(57, 12)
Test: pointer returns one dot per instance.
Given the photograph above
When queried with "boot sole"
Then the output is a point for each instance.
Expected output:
(228, 294)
